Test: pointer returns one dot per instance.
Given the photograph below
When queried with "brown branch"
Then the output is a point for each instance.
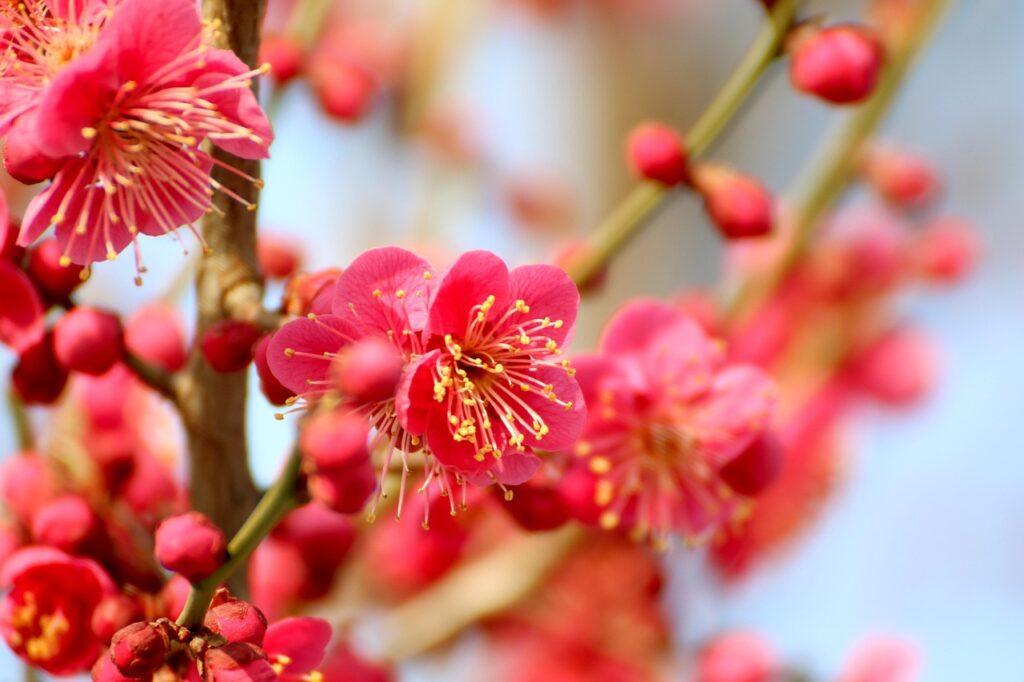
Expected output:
(228, 284)
(155, 377)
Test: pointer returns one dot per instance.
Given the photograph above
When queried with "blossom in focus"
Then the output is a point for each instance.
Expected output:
(493, 384)
(120, 96)
(665, 414)
(45, 616)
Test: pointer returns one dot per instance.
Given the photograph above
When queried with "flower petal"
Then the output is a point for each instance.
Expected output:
(550, 294)
(385, 289)
(474, 277)
(565, 424)
(681, 359)
(303, 640)
(21, 311)
(635, 324)
(238, 105)
(736, 410)
(296, 354)
(415, 396)
(145, 37)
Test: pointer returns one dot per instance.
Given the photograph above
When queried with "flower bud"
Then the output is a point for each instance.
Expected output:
(737, 204)
(156, 333)
(656, 152)
(227, 345)
(237, 621)
(55, 279)
(535, 506)
(173, 596)
(344, 490)
(279, 258)
(736, 657)
(88, 340)
(897, 370)
(9, 249)
(139, 649)
(901, 178)
(756, 467)
(274, 391)
(234, 662)
(839, 64)
(335, 440)
(285, 56)
(946, 251)
(67, 523)
(114, 613)
(26, 484)
(38, 377)
(104, 670)
(368, 371)
(21, 310)
(346, 91)
(190, 544)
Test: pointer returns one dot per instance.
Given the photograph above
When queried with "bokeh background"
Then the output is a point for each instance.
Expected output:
(926, 535)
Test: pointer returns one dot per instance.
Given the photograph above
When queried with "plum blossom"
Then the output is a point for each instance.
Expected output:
(665, 414)
(493, 385)
(117, 97)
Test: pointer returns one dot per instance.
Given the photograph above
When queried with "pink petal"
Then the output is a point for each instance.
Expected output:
(415, 396)
(303, 640)
(513, 468)
(238, 105)
(385, 289)
(882, 658)
(296, 352)
(144, 36)
(21, 311)
(474, 277)
(635, 324)
(550, 293)
(79, 97)
(681, 360)
(737, 409)
(564, 425)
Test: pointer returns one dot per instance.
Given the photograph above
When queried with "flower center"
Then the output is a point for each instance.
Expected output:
(38, 634)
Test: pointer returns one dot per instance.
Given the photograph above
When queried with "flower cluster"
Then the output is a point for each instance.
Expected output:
(482, 380)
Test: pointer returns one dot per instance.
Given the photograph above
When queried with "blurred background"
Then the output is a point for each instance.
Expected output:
(925, 536)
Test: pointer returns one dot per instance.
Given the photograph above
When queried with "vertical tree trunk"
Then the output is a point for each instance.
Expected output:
(228, 284)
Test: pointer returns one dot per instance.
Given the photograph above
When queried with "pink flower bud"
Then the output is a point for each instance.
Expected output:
(173, 596)
(114, 613)
(899, 369)
(9, 249)
(901, 178)
(54, 277)
(227, 345)
(67, 523)
(156, 334)
(235, 662)
(839, 64)
(756, 468)
(274, 391)
(737, 204)
(344, 490)
(368, 370)
(26, 484)
(279, 577)
(38, 377)
(346, 91)
(656, 152)
(21, 311)
(88, 340)
(104, 670)
(946, 251)
(279, 257)
(737, 657)
(285, 56)
(535, 506)
(237, 621)
(139, 649)
(190, 544)
(335, 440)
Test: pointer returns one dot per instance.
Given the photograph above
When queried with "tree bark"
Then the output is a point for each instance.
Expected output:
(228, 285)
